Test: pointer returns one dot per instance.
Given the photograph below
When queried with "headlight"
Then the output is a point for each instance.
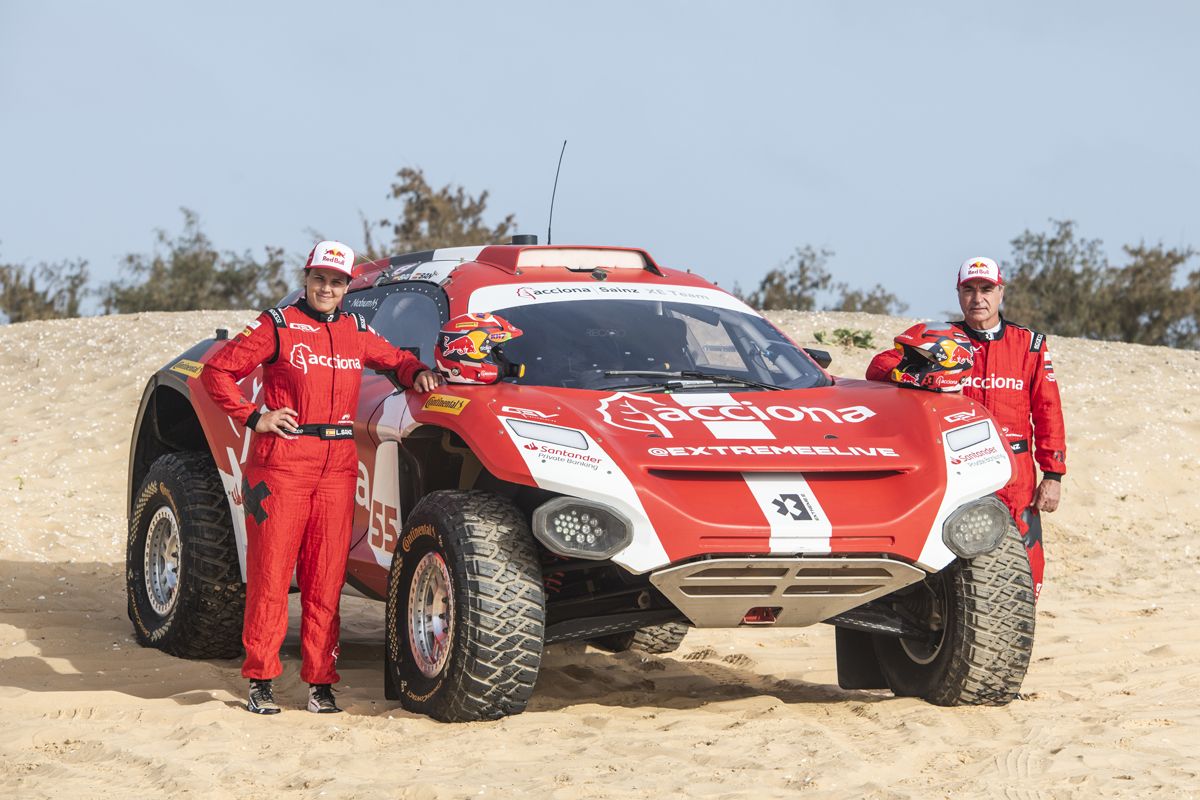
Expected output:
(962, 438)
(580, 528)
(551, 434)
(976, 528)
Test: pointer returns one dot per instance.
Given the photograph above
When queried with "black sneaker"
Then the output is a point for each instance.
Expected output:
(262, 699)
(320, 699)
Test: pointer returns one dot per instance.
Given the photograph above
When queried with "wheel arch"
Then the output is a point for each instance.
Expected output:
(166, 423)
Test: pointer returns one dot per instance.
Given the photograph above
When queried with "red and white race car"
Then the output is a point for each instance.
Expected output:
(654, 455)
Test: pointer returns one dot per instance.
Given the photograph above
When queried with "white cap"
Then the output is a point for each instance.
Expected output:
(332, 255)
(980, 268)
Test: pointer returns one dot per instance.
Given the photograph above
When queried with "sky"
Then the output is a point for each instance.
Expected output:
(905, 137)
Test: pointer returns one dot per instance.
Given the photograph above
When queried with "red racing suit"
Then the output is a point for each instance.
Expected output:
(298, 493)
(1013, 377)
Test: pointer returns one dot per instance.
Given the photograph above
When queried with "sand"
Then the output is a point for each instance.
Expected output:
(1110, 707)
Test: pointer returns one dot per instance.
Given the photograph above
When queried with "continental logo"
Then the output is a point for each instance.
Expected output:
(414, 534)
(190, 368)
(445, 404)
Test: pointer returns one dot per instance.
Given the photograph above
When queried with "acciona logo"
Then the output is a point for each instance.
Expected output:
(728, 419)
(303, 357)
(994, 382)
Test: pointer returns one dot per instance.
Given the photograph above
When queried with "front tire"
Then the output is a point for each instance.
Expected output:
(465, 609)
(982, 613)
(183, 582)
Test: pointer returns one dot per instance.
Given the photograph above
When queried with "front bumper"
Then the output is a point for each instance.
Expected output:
(718, 593)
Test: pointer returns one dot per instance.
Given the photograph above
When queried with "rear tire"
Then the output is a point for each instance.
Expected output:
(652, 640)
(183, 582)
(465, 609)
(983, 610)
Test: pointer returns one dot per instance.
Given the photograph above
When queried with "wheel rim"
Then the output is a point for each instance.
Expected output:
(430, 614)
(930, 609)
(161, 561)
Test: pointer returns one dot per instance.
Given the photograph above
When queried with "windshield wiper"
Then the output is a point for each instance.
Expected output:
(691, 374)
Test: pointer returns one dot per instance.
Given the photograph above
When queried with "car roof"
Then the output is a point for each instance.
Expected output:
(489, 265)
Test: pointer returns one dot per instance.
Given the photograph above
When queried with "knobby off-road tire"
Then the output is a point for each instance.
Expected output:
(653, 639)
(987, 609)
(465, 610)
(182, 578)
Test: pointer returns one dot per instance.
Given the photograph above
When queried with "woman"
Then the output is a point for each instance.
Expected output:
(298, 489)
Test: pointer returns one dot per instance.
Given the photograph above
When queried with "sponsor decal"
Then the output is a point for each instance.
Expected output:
(559, 455)
(961, 416)
(644, 414)
(773, 450)
(531, 293)
(632, 412)
(250, 327)
(363, 302)
(528, 413)
(1036, 344)
(794, 506)
(995, 382)
(445, 404)
(186, 367)
(302, 357)
(975, 458)
(462, 346)
(300, 326)
(422, 276)
(416, 532)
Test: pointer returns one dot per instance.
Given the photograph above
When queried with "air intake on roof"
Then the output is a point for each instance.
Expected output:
(581, 258)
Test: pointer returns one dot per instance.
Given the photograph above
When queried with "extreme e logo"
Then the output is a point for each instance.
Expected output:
(634, 412)
(303, 357)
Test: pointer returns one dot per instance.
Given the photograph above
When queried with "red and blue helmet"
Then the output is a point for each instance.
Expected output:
(934, 356)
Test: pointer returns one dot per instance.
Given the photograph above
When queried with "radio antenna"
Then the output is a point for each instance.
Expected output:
(550, 224)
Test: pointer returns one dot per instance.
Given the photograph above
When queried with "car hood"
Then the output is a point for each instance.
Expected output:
(855, 467)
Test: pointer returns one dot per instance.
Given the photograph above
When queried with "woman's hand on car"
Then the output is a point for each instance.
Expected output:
(427, 380)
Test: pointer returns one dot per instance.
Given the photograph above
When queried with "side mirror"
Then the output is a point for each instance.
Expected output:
(822, 357)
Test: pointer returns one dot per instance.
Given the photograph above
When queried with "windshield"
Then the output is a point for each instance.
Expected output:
(581, 343)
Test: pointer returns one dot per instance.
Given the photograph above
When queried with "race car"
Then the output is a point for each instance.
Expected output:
(623, 451)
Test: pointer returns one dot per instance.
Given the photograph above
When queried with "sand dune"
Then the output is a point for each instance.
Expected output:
(1111, 705)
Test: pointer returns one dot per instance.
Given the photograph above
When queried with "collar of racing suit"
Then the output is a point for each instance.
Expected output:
(309, 311)
(983, 336)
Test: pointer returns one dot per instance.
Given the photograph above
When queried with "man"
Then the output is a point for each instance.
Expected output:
(1013, 377)
(298, 490)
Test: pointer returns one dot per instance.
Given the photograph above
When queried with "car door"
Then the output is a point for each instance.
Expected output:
(409, 315)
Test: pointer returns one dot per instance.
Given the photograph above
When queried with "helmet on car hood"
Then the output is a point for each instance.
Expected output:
(934, 356)
(468, 349)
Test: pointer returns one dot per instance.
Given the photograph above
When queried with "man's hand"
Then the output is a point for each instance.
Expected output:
(1047, 495)
(427, 380)
(281, 421)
